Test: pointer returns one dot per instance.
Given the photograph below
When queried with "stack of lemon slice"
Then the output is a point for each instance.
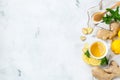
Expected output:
(91, 61)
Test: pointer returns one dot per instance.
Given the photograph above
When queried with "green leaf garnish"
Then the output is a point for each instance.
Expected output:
(87, 54)
(112, 16)
(104, 61)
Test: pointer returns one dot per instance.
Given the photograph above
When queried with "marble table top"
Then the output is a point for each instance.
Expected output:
(40, 39)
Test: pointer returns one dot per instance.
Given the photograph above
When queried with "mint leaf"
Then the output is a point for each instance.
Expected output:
(87, 54)
(110, 10)
(104, 61)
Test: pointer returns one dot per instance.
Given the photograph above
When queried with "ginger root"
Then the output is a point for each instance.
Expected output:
(83, 38)
(109, 34)
(107, 74)
(105, 34)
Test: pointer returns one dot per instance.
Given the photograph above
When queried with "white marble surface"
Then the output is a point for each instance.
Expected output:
(41, 39)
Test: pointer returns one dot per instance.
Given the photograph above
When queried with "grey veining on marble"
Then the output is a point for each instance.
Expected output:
(40, 39)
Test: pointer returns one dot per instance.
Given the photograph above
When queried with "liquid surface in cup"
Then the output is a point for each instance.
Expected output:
(98, 49)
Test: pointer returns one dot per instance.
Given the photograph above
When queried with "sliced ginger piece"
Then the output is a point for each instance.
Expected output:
(83, 38)
(84, 31)
(89, 30)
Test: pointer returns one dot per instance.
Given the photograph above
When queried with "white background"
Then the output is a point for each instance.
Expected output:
(42, 39)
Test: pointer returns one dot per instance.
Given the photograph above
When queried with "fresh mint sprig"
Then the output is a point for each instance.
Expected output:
(112, 15)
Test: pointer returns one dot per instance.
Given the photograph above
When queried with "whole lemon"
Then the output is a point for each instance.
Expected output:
(119, 34)
(115, 46)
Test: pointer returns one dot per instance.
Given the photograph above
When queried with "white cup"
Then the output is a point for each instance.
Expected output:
(106, 51)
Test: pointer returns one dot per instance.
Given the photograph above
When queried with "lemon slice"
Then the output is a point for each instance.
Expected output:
(85, 48)
(91, 61)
